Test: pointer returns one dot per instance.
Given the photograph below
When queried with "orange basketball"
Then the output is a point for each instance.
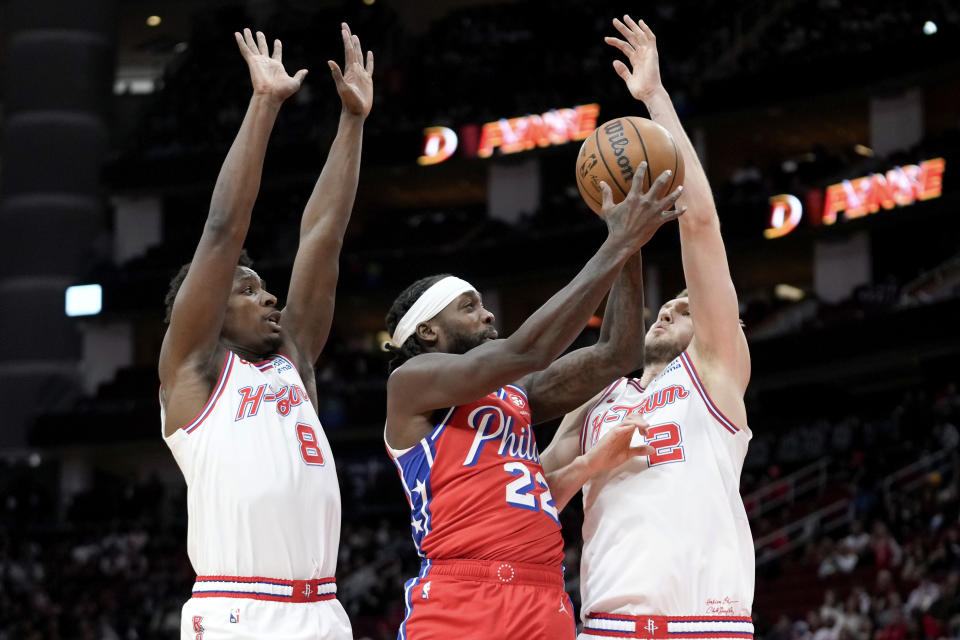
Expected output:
(613, 151)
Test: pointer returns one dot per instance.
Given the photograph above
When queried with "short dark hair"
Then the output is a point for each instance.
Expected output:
(177, 280)
(411, 346)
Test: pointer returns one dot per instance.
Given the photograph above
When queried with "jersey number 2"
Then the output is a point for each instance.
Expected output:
(518, 491)
(309, 448)
(666, 439)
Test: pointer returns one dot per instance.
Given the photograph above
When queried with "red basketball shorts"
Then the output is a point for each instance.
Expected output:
(487, 599)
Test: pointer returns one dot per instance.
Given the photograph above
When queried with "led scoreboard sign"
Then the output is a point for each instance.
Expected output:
(513, 135)
(898, 187)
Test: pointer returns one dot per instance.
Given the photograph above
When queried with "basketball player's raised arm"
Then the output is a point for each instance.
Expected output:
(198, 311)
(437, 380)
(575, 377)
(310, 301)
(714, 310)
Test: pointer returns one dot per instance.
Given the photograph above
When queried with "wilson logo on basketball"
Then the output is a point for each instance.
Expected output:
(618, 143)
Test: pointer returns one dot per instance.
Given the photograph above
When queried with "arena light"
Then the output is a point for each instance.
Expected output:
(858, 197)
(898, 187)
(84, 300)
(153, 21)
(513, 135)
(788, 292)
(557, 126)
(929, 27)
(785, 214)
(439, 144)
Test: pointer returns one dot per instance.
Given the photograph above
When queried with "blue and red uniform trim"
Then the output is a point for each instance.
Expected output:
(658, 627)
(266, 589)
(711, 407)
(217, 392)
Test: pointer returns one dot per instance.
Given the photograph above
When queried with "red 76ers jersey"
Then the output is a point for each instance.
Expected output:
(476, 488)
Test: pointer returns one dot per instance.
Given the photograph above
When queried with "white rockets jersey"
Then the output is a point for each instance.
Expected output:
(262, 492)
(667, 534)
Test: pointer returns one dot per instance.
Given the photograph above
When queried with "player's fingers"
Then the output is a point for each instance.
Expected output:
(625, 47)
(370, 62)
(634, 28)
(347, 49)
(262, 44)
(621, 70)
(627, 33)
(336, 73)
(670, 199)
(673, 214)
(647, 31)
(357, 50)
(346, 27)
(607, 196)
(639, 176)
(642, 450)
(249, 41)
(657, 187)
(277, 51)
(241, 44)
(636, 422)
(299, 76)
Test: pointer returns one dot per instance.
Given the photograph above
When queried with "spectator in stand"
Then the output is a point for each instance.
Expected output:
(830, 610)
(923, 595)
(887, 553)
(858, 539)
(946, 608)
(836, 558)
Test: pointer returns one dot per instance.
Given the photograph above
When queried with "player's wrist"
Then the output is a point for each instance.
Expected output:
(654, 94)
(266, 101)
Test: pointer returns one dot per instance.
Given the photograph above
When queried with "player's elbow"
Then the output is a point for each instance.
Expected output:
(700, 220)
(221, 227)
(619, 358)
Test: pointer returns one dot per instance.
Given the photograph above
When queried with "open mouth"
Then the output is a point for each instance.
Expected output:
(274, 319)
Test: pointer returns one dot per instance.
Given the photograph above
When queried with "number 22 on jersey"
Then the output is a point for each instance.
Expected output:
(518, 491)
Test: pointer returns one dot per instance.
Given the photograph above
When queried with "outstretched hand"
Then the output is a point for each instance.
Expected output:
(355, 85)
(640, 47)
(613, 449)
(267, 74)
(640, 214)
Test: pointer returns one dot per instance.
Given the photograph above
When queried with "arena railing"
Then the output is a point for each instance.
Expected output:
(841, 512)
(801, 483)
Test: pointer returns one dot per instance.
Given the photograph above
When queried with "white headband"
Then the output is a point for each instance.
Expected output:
(430, 303)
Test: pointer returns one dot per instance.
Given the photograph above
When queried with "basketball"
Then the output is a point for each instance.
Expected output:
(612, 152)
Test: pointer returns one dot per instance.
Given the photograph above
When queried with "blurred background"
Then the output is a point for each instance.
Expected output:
(830, 130)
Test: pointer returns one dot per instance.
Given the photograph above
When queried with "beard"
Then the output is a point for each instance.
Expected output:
(272, 344)
(661, 350)
(463, 343)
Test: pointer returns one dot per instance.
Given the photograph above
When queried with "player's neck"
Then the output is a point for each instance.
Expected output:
(246, 354)
(651, 370)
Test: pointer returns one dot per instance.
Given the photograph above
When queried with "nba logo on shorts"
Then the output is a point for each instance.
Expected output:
(235, 615)
(425, 593)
